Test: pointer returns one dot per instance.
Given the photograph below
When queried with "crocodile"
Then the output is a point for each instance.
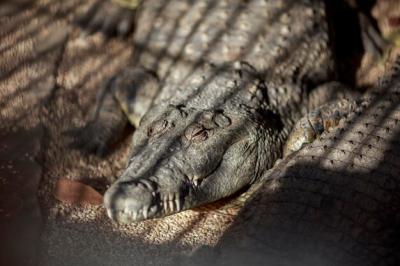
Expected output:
(213, 90)
(112, 18)
(334, 202)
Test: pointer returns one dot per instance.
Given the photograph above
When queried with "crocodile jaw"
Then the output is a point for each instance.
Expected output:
(135, 199)
(141, 199)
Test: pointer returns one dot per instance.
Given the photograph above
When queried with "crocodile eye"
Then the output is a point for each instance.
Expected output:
(158, 127)
(197, 133)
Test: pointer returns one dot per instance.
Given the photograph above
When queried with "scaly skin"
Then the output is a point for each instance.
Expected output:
(335, 202)
(233, 78)
(112, 18)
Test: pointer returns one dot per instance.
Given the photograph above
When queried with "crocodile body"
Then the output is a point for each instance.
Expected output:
(335, 202)
(226, 80)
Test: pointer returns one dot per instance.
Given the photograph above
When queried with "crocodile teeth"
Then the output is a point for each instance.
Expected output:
(145, 212)
(167, 207)
(110, 214)
(141, 185)
(196, 181)
(178, 204)
(153, 210)
(165, 204)
(148, 184)
(171, 205)
(134, 215)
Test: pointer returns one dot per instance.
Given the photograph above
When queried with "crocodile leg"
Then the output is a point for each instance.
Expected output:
(135, 89)
(319, 120)
(124, 98)
(109, 18)
(106, 123)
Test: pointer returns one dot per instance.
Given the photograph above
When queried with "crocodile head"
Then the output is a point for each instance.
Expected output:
(184, 156)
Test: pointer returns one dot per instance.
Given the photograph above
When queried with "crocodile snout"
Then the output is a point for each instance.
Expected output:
(141, 199)
(131, 201)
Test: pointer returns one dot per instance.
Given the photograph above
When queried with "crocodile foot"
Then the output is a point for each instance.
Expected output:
(106, 125)
(316, 122)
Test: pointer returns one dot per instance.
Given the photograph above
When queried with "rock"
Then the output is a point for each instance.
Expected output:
(74, 192)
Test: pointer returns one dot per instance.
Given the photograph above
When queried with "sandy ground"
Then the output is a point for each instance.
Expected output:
(49, 76)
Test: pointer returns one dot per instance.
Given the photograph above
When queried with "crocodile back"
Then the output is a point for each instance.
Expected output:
(287, 42)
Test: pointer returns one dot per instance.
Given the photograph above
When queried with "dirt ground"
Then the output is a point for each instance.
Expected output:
(49, 75)
(48, 81)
